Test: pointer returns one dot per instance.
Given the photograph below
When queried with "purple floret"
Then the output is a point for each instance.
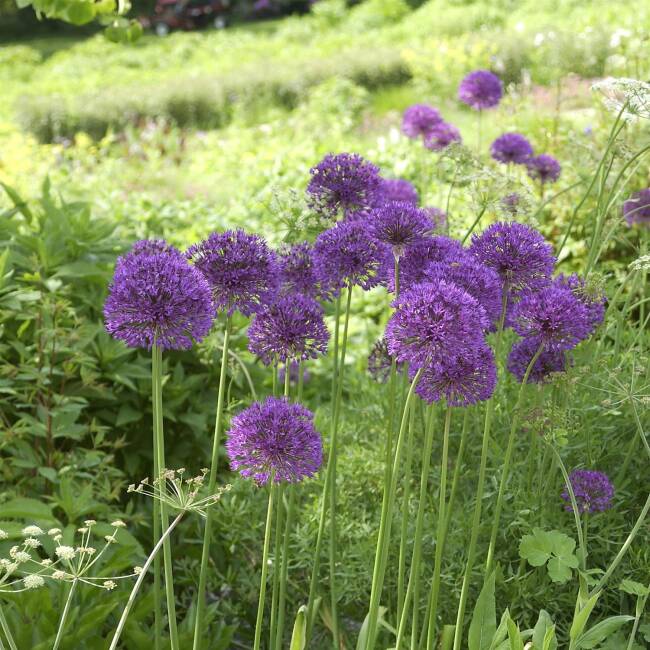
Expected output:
(419, 119)
(156, 297)
(438, 218)
(241, 269)
(511, 148)
(297, 273)
(441, 136)
(543, 168)
(548, 362)
(396, 189)
(290, 329)
(274, 438)
(592, 298)
(637, 208)
(398, 225)
(480, 89)
(593, 491)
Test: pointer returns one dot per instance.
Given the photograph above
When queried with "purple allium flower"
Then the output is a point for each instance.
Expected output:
(462, 379)
(292, 328)
(441, 136)
(480, 282)
(522, 354)
(297, 272)
(543, 168)
(396, 189)
(591, 297)
(344, 183)
(552, 317)
(593, 491)
(347, 255)
(241, 269)
(511, 204)
(433, 322)
(379, 361)
(398, 225)
(637, 208)
(156, 297)
(274, 438)
(419, 119)
(518, 253)
(480, 89)
(294, 373)
(438, 217)
(511, 148)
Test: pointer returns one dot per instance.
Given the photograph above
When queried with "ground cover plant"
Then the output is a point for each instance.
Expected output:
(350, 357)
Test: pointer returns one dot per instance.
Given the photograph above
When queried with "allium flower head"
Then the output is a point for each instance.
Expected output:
(591, 297)
(552, 317)
(593, 491)
(419, 119)
(347, 255)
(156, 297)
(637, 208)
(297, 270)
(398, 225)
(275, 438)
(343, 183)
(290, 329)
(511, 148)
(241, 269)
(396, 189)
(518, 253)
(511, 204)
(462, 379)
(441, 136)
(480, 89)
(548, 362)
(543, 168)
(438, 217)
(380, 361)
(433, 322)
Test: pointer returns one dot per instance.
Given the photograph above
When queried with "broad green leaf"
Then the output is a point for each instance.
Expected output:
(536, 548)
(550, 640)
(581, 617)
(25, 508)
(502, 631)
(544, 623)
(514, 636)
(299, 636)
(362, 641)
(634, 588)
(483, 625)
(18, 201)
(597, 634)
(559, 570)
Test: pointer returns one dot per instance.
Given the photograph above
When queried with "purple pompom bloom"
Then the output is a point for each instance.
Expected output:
(441, 136)
(511, 204)
(398, 225)
(343, 183)
(543, 168)
(593, 491)
(380, 361)
(438, 217)
(274, 438)
(552, 317)
(637, 208)
(156, 297)
(396, 189)
(292, 328)
(511, 148)
(297, 272)
(518, 253)
(480, 89)
(591, 297)
(241, 269)
(419, 119)
(347, 255)
(433, 322)
(294, 373)
(462, 379)
(548, 362)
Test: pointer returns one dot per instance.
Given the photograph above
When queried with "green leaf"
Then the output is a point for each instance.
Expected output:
(79, 12)
(581, 617)
(483, 626)
(634, 588)
(18, 201)
(550, 640)
(299, 635)
(543, 625)
(597, 634)
(362, 641)
(536, 548)
(558, 570)
(514, 636)
(24, 508)
(502, 631)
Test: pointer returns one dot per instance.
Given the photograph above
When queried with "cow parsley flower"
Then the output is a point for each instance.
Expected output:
(32, 531)
(511, 148)
(593, 491)
(480, 89)
(33, 581)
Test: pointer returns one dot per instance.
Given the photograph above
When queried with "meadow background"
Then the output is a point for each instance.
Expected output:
(102, 144)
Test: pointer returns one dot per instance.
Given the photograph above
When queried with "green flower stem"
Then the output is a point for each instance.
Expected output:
(212, 480)
(640, 608)
(5, 628)
(480, 488)
(140, 580)
(156, 525)
(159, 448)
(277, 562)
(265, 562)
(440, 531)
(64, 615)
(505, 472)
(387, 506)
(474, 224)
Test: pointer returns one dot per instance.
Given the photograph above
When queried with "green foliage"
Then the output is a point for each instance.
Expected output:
(553, 548)
(483, 627)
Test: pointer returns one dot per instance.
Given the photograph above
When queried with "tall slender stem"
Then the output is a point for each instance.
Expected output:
(277, 565)
(212, 480)
(7, 631)
(64, 615)
(156, 524)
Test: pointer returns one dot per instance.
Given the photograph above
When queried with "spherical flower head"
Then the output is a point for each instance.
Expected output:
(543, 168)
(438, 218)
(511, 148)
(593, 491)
(398, 225)
(591, 297)
(290, 329)
(241, 269)
(396, 189)
(552, 317)
(511, 204)
(419, 119)
(294, 373)
(297, 272)
(343, 183)
(637, 208)
(548, 362)
(433, 322)
(441, 136)
(347, 255)
(156, 297)
(274, 438)
(380, 361)
(518, 253)
(480, 89)
(463, 379)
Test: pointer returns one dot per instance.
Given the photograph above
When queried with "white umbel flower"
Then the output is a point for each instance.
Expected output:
(33, 581)
(65, 552)
(32, 531)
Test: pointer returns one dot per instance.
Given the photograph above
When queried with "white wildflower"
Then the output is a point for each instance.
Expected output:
(629, 97)
(32, 531)
(110, 584)
(89, 522)
(58, 575)
(110, 539)
(65, 552)
(46, 562)
(3, 534)
(118, 523)
(32, 542)
(137, 570)
(33, 581)
(53, 532)
(22, 556)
